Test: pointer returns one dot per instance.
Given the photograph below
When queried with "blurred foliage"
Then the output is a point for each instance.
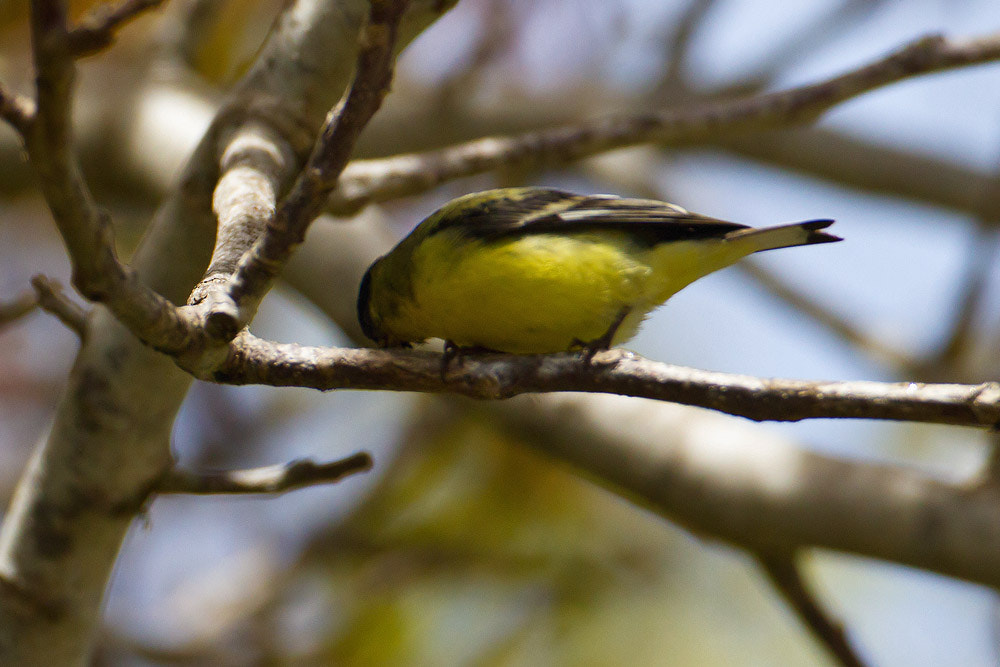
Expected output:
(475, 550)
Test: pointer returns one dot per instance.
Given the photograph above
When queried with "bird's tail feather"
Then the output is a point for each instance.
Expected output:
(785, 236)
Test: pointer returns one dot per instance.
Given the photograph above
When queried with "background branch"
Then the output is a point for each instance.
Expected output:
(52, 300)
(784, 574)
(87, 231)
(268, 479)
(17, 110)
(836, 323)
(754, 490)
(97, 30)
(369, 181)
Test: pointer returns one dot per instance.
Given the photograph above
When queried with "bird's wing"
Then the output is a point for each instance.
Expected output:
(545, 211)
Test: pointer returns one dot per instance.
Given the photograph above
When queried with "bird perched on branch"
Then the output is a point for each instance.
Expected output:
(536, 270)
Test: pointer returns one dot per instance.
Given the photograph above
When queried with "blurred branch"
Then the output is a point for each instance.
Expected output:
(785, 576)
(96, 31)
(834, 23)
(51, 299)
(86, 230)
(497, 35)
(673, 79)
(367, 181)
(982, 254)
(16, 109)
(497, 376)
(17, 307)
(269, 479)
(725, 480)
(836, 323)
(232, 301)
(861, 163)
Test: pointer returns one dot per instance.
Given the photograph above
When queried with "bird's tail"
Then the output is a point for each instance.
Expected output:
(784, 236)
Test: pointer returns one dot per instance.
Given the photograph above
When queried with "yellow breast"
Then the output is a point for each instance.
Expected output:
(537, 293)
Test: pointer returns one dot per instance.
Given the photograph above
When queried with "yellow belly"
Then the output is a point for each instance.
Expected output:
(538, 293)
(544, 293)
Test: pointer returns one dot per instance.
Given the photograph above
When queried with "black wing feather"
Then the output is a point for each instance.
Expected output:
(498, 216)
(546, 211)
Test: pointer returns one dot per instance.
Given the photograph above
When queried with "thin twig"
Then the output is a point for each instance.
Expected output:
(96, 30)
(16, 109)
(497, 376)
(678, 49)
(86, 230)
(268, 479)
(368, 181)
(232, 305)
(870, 167)
(982, 255)
(786, 578)
(497, 36)
(835, 322)
(823, 29)
(52, 300)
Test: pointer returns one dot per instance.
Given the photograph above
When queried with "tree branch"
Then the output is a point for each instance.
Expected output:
(367, 181)
(785, 576)
(52, 300)
(975, 282)
(86, 230)
(232, 305)
(825, 317)
(96, 31)
(269, 479)
(726, 480)
(63, 530)
(17, 110)
(497, 376)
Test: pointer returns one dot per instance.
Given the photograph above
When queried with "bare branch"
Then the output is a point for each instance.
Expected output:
(17, 110)
(982, 255)
(52, 300)
(86, 230)
(836, 323)
(230, 311)
(870, 167)
(368, 181)
(691, 20)
(729, 481)
(822, 29)
(269, 479)
(785, 575)
(96, 31)
(256, 165)
(497, 376)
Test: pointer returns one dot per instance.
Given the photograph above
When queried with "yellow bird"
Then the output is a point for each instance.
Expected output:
(536, 270)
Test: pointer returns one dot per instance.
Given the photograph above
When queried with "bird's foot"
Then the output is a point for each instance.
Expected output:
(455, 352)
(602, 342)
